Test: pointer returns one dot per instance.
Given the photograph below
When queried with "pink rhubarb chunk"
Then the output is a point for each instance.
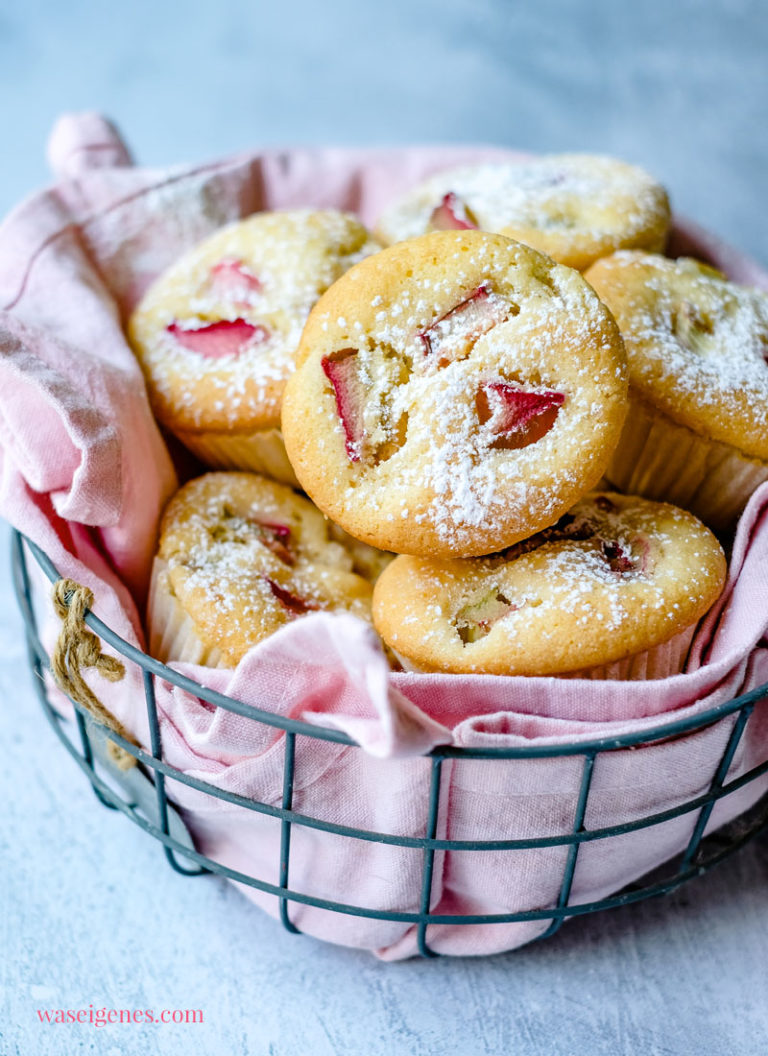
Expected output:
(517, 417)
(291, 602)
(621, 560)
(452, 215)
(453, 334)
(616, 556)
(231, 278)
(227, 337)
(341, 370)
(277, 538)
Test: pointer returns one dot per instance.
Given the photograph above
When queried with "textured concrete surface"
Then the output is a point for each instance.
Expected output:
(89, 912)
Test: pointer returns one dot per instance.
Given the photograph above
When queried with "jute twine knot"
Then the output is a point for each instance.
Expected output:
(77, 648)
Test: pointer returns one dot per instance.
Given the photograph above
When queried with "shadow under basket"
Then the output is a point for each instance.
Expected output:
(140, 793)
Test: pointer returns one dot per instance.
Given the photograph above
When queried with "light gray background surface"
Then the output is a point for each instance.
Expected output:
(89, 913)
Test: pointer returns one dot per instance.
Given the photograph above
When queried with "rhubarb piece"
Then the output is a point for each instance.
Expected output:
(616, 556)
(452, 215)
(621, 560)
(276, 537)
(474, 621)
(234, 280)
(452, 336)
(291, 602)
(341, 370)
(227, 337)
(581, 529)
(515, 416)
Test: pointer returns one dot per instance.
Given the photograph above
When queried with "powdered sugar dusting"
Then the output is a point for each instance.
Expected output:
(597, 196)
(246, 555)
(615, 576)
(700, 333)
(267, 272)
(577, 575)
(422, 412)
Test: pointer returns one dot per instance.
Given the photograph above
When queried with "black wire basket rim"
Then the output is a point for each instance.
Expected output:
(573, 746)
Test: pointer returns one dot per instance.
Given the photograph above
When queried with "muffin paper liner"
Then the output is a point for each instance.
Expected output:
(262, 451)
(172, 633)
(662, 661)
(661, 460)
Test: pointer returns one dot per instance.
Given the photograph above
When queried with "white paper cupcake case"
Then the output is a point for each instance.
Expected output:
(173, 635)
(659, 662)
(262, 451)
(661, 460)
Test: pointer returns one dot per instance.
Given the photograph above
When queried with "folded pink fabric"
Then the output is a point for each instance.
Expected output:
(84, 472)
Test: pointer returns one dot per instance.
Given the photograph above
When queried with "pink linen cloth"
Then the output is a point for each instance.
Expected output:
(84, 472)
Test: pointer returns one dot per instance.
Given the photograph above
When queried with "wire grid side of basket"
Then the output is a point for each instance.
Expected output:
(164, 821)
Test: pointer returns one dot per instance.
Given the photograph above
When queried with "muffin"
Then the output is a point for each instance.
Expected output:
(613, 590)
(697, 429)
(239, 556)
(216, 334)
(455, 393)
(574, 207)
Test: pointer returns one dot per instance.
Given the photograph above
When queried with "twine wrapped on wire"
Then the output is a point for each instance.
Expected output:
(78, 647)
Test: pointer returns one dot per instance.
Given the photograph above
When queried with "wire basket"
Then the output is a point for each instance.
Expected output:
(141, 794)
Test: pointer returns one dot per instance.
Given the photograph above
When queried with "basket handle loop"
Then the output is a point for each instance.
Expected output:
(78, 647)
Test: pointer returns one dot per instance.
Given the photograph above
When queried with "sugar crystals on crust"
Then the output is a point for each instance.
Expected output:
(455, 393)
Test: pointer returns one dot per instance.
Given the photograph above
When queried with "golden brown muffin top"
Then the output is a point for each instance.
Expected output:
(245, 555)
(697, 344)
(615, 576)
(454, 393)
(574, 207)
(216, 333)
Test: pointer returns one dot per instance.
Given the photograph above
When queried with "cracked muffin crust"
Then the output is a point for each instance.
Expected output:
(613, 590)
